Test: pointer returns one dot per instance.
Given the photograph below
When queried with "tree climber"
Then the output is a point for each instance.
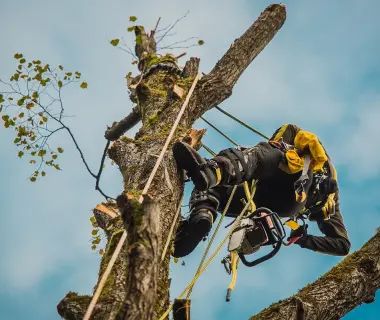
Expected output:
(276, 165)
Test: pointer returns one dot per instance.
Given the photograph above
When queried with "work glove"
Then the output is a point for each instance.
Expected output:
(296, 235)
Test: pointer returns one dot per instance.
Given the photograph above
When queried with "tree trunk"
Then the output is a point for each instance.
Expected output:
(349, 284)
(159, 96)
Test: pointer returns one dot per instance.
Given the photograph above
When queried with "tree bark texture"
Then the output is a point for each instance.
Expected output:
(349, 284)
(141, 222)
(158, 100)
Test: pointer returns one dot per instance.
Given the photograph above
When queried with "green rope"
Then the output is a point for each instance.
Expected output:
(219, 131)
(209, 150)
(242, 123)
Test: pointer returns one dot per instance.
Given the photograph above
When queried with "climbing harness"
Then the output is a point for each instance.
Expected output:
(144, 192)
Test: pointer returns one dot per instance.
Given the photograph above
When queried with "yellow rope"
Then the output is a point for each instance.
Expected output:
(213, 237)
(234, 264)
(236, 222)
(172, 229)
(146, 188)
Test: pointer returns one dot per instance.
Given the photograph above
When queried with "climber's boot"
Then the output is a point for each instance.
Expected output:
(204, 173)
(192, 231)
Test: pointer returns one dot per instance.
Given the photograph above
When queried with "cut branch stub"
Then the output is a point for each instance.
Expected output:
(73, 306)
(144, 44)
(191, 68)
(106, 216)
(119, 128)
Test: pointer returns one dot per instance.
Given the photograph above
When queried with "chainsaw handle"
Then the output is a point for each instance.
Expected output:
(262, 259)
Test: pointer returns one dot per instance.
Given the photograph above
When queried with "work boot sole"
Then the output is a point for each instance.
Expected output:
(188, 240)
(188, 159)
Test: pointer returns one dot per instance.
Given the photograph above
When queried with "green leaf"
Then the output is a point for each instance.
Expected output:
(43, 173)
(22, 61)
(60, 67)
(138, 40)
(115, 42)
(130, 29)
(129, 75)
(201, 42)
(32, 161)
(20, 154)
(94, 232)
(29, 105)
(60, 84)
(33, 179)
(1, 98)
(17, 140)
(83, 85)
(20, 102)
(60, 150)
(132, 18)
(92, 219)
(41, 153)
(44, 119)
(93, 247)
(21, 115)
(101, 252)
(54, 156)
(18, 56)
(5, 117)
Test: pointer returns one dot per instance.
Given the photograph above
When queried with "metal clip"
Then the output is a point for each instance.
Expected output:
(227, 264)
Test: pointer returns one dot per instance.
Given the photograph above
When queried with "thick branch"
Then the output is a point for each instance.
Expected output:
(119, 128)
(142, 225)
(350, 283)
(217, 86)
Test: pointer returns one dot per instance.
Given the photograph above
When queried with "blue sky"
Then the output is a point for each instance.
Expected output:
(321, 72)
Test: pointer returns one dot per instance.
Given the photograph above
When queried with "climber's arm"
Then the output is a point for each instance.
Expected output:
(335, 241)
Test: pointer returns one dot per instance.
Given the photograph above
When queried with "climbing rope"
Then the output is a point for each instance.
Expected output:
(212, 238)
(172, 229)
(243, 123)
(220, 132)
(191, 284)
(145, 190)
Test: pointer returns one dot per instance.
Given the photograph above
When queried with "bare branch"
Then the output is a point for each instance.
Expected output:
(171, 27)
(100, 171)
(171, 46)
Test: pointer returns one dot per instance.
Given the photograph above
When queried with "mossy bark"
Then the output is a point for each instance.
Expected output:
(349, 284)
